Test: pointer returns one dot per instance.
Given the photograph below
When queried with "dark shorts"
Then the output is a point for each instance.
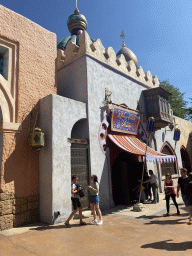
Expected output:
(185, 200)
(94, 199)
(76, 203)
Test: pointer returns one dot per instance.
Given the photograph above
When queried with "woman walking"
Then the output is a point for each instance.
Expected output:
(170, 192)
(94, 200)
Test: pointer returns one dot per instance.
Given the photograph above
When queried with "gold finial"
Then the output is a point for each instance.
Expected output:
(123, 36)
(76, 10)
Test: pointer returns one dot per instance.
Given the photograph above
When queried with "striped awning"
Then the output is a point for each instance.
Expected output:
(133, 145)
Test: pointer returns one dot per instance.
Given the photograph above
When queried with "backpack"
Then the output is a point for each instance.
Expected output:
(81, 192)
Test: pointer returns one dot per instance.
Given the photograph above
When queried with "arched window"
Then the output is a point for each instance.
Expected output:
(185, 159)
(169, 167)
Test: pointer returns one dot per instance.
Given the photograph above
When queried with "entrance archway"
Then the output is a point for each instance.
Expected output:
(185, 159)
(126, 170)
(79, 157)
(170, 167)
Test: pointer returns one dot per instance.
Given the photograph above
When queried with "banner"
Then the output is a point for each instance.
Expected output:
(124, 120)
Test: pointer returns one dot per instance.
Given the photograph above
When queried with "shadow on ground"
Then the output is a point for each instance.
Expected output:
(167, 221)
(149, 217)
(168, 246)
(48, 227)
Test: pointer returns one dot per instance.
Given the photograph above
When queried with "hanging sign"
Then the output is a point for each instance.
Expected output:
(124, 120)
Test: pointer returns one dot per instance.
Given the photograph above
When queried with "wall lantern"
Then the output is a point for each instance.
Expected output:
(177, 133)
(150, 124)
(37, 139)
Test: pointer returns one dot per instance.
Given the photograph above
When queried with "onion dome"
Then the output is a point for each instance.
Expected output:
(128, 54)
(76, 23)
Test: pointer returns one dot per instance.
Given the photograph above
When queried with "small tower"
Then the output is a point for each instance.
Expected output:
(128, 54)
(76, 23)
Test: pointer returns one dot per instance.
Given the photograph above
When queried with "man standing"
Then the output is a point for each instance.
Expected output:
(184, 179)
(75, 201)
(188, 194)
(154, 184)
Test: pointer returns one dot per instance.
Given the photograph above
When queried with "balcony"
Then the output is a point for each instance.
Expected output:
(157, 106)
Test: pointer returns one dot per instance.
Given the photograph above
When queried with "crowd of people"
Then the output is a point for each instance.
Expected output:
(149, 182)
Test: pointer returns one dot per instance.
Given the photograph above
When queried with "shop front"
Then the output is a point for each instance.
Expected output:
(127, 153)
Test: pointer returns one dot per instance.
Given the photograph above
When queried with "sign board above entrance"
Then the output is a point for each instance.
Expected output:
(124, 120)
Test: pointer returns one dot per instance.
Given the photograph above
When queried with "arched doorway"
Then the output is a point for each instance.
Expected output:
(79, 157)
(170, 167)
(126, 170)
(185, 159)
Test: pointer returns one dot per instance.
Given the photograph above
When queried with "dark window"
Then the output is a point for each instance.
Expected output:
(168, 167)
(4, 59)
(155, 106)
(1, 63)
(149, 109)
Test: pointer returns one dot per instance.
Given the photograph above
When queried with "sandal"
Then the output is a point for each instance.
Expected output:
(67, 225)
(83, 223)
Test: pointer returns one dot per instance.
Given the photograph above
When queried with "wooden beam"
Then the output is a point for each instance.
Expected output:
(78, 141)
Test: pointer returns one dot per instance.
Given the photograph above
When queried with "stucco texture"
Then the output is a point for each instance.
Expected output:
(124, 90)
(58, 116)
(185, 138)
(35, 80)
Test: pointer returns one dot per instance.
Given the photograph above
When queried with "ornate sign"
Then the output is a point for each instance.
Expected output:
(124, 120)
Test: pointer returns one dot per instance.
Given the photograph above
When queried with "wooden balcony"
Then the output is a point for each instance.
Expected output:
(157, 106)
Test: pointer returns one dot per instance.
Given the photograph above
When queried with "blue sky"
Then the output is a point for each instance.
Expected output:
(158, 32)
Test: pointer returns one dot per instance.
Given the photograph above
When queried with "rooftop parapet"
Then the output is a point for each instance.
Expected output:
(107, 56)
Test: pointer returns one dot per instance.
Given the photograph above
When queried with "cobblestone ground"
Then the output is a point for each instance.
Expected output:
(123, 233)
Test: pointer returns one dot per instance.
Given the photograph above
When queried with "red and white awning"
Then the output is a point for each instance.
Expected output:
(133, 145)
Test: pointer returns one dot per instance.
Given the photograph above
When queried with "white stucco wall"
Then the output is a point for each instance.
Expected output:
(57, 118)
(124, 90)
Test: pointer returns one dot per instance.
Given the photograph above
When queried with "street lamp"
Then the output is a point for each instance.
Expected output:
(149, 129)
(176, 137)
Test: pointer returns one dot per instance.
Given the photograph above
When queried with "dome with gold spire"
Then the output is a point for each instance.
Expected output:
(76, 23)
(128, 54)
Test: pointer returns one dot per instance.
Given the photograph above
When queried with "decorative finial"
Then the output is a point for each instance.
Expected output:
(123, 36)
(76, 10)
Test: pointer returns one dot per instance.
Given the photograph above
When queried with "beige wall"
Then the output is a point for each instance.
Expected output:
(34, 75)
(186, 130)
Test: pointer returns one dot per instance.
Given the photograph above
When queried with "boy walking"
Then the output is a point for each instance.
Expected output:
(75, 202)
(188, 194)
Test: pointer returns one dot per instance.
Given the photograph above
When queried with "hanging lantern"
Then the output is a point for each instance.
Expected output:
(150, 124)
(177, 134)
(37, 139)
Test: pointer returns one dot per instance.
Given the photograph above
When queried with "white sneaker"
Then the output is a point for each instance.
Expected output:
(93, 222)
(100, 222)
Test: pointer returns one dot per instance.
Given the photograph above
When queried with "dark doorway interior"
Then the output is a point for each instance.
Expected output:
(185, 159)
(126, 171)
(168, 167)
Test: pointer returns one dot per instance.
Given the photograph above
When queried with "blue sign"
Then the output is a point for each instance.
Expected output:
(125, 120)
(176, 135)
